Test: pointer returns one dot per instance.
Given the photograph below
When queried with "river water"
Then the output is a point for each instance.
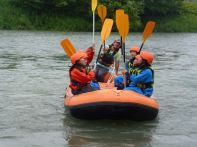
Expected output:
(34, 74)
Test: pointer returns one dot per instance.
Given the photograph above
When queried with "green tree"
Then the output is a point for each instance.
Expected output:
(134, 8)
(161, 8)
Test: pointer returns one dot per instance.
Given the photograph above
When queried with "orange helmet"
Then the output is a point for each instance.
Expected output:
(147, 56)
(135, 49)
(78, 55)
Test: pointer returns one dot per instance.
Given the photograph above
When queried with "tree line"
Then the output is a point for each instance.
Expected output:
(139, 11)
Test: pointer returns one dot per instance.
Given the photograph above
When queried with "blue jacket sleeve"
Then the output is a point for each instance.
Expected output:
(144, 77)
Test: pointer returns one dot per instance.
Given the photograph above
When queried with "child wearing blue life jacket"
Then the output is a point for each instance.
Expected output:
(142, 81)
(119, 81)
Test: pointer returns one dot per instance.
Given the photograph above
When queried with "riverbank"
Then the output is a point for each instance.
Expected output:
(12, 18)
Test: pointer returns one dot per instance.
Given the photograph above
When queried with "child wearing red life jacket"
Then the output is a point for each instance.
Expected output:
(80, 78)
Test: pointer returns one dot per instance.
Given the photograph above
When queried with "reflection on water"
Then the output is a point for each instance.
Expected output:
(108, 132)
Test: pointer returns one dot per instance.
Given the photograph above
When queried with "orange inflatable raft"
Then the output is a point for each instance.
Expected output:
(109, 103)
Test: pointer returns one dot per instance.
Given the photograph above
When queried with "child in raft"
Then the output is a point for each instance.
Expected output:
(80, 77)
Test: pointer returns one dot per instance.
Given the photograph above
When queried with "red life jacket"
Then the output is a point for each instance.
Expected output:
(79, 77)
(78, 74)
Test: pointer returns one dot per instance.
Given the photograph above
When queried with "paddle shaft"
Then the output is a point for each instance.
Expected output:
(121, 45)
(94, 4)
(141, 46)
(99, 53)
(124, 51)
(93, 27)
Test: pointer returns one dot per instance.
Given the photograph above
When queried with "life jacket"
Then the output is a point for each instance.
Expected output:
(107, 59)
(74, 85)
(131, 70)
(148, 84)
(136, 71)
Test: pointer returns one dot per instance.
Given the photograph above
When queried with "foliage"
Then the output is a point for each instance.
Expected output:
(159, 8)
(186, 21)
(61, 7)
(76, 15)
(81, 8)
(132, 7)
(181, 23)
(11, 19)
(189, 8)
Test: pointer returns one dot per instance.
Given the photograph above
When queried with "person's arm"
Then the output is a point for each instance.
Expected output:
(117, 58)
(117, 64)
(90, 53)
(82, 77)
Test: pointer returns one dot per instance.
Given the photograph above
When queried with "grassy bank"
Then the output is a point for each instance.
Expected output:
(12, 18)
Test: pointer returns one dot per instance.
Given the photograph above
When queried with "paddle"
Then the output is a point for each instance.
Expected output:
(119, 13)
(68, 47)
(105, 32)
(94, 4)
(122, 22)
(124, 30)
(150, 25)
(124, 27)
(102, 12)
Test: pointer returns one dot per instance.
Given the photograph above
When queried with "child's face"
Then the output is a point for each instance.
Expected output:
(133, 54)
(83, 61)
(137, 61)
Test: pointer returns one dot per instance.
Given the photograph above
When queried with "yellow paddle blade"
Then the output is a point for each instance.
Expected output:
(94, 4)
(102, 12)
(119, 13)
(125, 27)
(106, 29)
(148, 30)
(68, 47)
